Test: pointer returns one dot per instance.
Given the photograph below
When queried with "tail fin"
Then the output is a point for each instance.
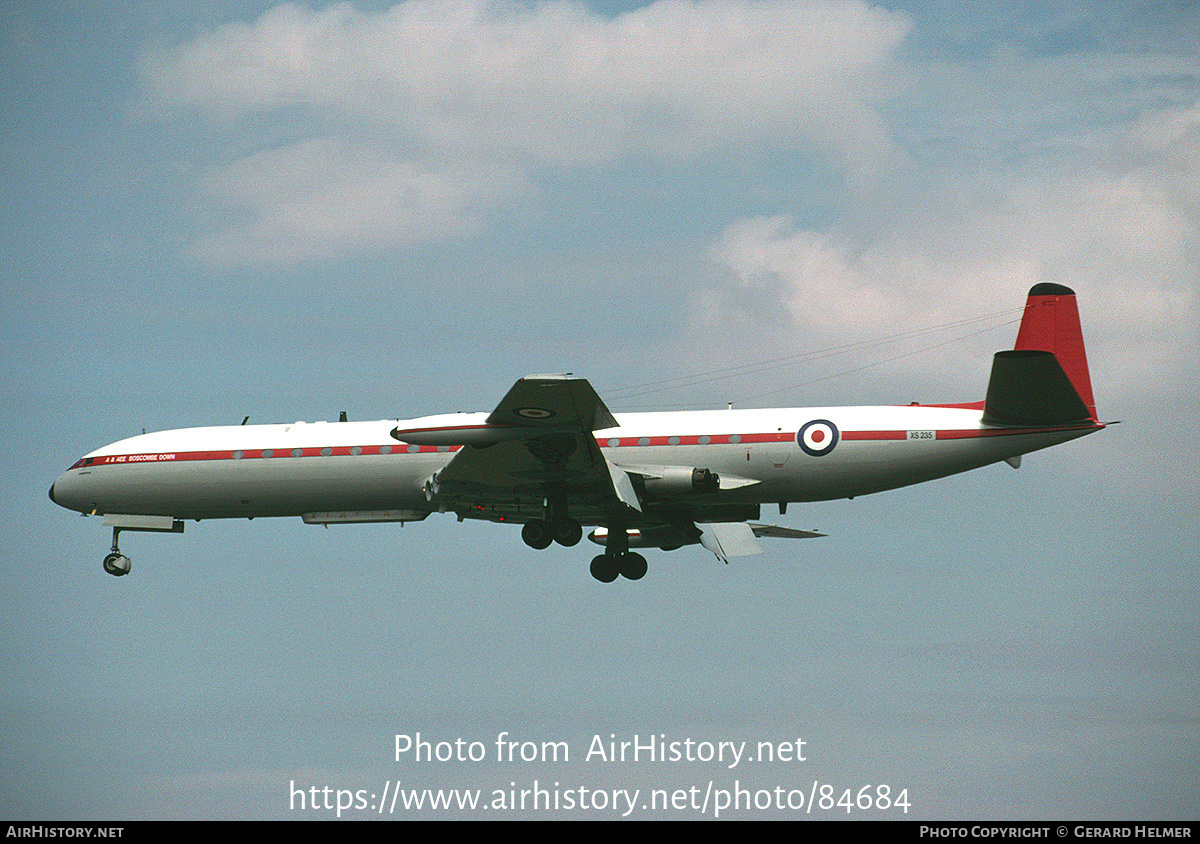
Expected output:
(1051, 324)
(1030, 386)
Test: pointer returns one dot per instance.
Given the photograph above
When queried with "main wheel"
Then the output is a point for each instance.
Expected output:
(633, 566)
(604, 568)
(567, 532)
(537, 534)
(117, 564)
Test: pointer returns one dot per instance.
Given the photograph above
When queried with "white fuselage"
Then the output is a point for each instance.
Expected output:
(358, 467)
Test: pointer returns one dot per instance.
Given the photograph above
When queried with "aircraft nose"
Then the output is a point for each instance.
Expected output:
(72, 492)
(61, 493)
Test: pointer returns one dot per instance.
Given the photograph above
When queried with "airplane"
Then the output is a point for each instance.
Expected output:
(552, 458)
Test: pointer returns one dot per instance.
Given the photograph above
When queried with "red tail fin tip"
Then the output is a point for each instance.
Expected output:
(1051, 324)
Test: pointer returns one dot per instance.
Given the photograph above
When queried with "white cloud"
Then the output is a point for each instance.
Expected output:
(555, 81)
(321, 197)
(449, 90)
(1164, 146)
(1125, 246)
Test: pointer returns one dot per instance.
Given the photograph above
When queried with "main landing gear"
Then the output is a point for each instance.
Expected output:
(539, 533)
(617, 559)
(630, 564)
(554, 526)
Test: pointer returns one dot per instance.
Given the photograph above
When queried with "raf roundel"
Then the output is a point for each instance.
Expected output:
(818, 437)
(534, 412)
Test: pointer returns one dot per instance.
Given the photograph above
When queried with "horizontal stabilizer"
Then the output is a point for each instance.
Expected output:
(1029, 387)
(783, 532)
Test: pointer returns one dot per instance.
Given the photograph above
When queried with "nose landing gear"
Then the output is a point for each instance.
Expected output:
(116, 563)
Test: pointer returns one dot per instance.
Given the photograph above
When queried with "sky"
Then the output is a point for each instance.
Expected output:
(283, 211)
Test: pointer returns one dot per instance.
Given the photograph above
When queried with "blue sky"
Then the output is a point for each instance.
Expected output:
(216, 210)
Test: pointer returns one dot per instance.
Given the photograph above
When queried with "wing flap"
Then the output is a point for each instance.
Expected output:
(623, 486)
(729, 539)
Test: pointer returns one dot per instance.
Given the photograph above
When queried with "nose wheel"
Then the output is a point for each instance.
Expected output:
(116, 563)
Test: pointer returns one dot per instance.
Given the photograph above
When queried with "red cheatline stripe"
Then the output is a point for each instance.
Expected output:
(695, 439)
(257, 453)
(603, 442)
(877, 435)
(968, 433)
